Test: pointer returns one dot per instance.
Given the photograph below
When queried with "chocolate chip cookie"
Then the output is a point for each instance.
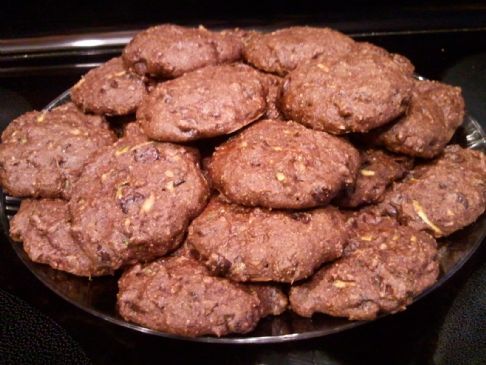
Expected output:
(109, 89)
(169, 51)
(44, 227)
(283, 50)
(134, 201)
(209, 102)
(442, 196)
(278, 164)
(43, 153)
(254, 244)
(362, 90)
(436, 111)
(384, 267)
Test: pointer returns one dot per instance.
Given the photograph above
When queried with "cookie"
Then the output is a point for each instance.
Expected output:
(44, 228)
(134, 201)
(258, 245)
(274, 85)
(209, 102)
(273, 301)
(360, 91)
(442, 196)
(370, 50)
(133, 131)
(43, 153)
(109, 89)
(178, 295)
(283, 50)
(377, 171)
(384, 267)
(278, 164)
(436, 111)
(169, 51)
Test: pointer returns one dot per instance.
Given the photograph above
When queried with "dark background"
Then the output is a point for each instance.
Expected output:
(24, 18)
(445, 40)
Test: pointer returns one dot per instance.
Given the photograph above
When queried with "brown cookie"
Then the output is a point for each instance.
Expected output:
(283, 50)
(43, 153)
(442, 196)
(109, 89)
(273, 301)
(377, 171)
(45, 230)
(244, 35)
(436, 111)
(362, 90)
(385, 266)
(178, 295)
(370, 50)
(254, 244)
(209, 102)
(278, 164)
(448, 97)
(134, 201)
(274, 85)
(133, 131)
(170, 50)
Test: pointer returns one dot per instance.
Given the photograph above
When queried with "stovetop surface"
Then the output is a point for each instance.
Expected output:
(411, 337)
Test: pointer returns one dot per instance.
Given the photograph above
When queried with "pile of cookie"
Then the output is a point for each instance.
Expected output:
(323, 181)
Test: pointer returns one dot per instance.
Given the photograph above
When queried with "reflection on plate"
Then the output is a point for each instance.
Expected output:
(98, 296)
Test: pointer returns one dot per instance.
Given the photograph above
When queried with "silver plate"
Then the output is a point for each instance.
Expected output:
(98, 296)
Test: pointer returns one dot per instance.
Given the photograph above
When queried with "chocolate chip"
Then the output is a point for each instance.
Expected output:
(403, 220)
(130, 199)
(188, 131)
(348, 189)
(61, 162)
(66, 147)
(219, 265)
(365, 163)
(301, 217)
(460, 198)
(192, 252)
(321, 194)
(146, 154)
(104, 256)
(136, 308)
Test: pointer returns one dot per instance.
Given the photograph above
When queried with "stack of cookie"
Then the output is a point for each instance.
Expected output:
(295, 197)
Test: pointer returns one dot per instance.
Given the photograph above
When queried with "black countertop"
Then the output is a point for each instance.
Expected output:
(420, 335)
